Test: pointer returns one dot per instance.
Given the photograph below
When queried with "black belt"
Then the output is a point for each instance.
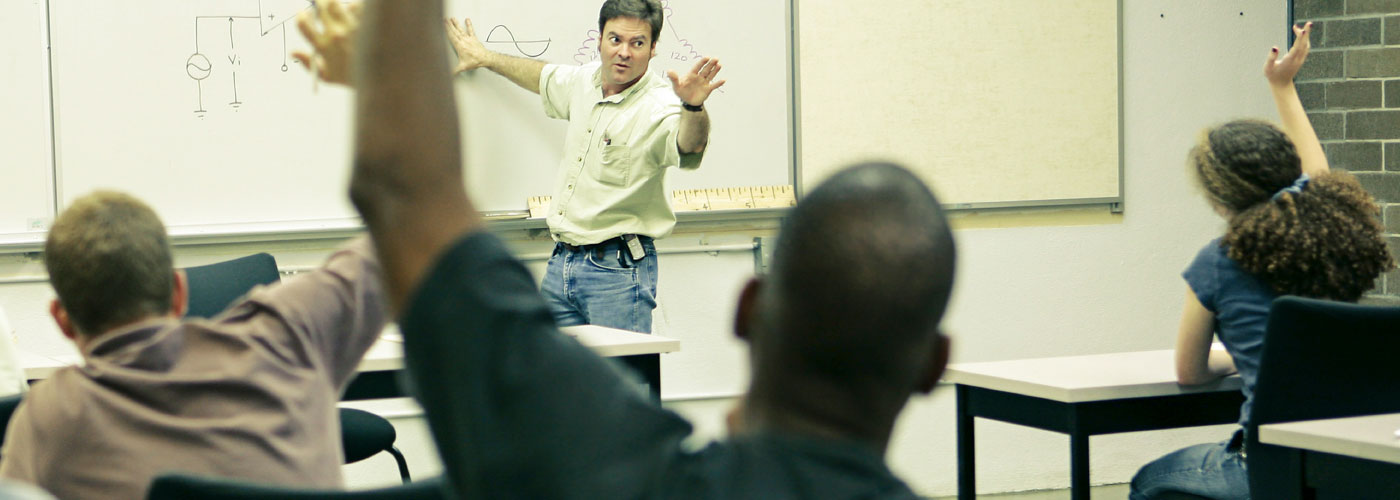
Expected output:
(618, 241)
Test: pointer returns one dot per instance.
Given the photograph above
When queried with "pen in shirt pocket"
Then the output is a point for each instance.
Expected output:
(607, 141)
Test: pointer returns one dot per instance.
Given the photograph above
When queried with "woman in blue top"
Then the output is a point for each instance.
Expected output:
(1294, 228)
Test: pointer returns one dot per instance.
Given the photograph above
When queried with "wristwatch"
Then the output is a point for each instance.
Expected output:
(688, 107)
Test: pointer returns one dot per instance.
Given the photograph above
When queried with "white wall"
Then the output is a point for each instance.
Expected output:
(1034, 290)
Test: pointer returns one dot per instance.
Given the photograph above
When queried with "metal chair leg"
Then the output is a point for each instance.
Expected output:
(403, 464)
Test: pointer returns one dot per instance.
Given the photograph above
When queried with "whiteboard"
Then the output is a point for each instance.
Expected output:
(994, 102)
(26, 195)
(195, 107)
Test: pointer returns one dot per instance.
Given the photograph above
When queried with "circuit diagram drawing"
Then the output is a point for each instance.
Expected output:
(271, 18)
(527, 48)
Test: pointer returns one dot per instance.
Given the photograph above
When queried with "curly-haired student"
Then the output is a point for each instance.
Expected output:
(1294, 228)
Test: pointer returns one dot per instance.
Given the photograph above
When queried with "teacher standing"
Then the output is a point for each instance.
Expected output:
(626, 126)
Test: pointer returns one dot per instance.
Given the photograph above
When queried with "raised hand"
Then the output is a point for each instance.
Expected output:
(1280, 71)
(471, 54)
(695, 86)
(333, 45)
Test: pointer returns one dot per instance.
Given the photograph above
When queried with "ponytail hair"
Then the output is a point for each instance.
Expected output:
(1321, 241)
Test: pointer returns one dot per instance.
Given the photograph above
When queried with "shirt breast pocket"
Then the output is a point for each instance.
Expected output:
(614, 163)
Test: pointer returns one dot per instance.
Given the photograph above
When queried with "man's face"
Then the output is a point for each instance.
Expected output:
(626, 50)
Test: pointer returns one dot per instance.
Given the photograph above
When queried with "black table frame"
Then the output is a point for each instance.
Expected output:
(1329, 476)
(1081, 420)
(385, 383)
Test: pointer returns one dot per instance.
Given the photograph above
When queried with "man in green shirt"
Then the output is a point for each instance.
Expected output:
(626, 126)
(842, 332)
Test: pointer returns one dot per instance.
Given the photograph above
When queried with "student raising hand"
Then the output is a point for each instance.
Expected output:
(1280, 71)
(332, 40)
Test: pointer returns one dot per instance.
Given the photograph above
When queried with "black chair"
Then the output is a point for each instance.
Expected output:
(7, 410)
(213, 287)
(364, 434)
(1321, 359)
(183, 487)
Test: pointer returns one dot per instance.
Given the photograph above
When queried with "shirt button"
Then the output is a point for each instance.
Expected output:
(580, 158)
(590, 130)
(561, 212)
(571, 186)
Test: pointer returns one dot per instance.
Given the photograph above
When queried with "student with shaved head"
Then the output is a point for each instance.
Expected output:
(842, 333)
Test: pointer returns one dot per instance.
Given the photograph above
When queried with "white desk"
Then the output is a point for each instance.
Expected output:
(1370, 437)
(1083, 396)
(385, 358)
(1353, 457)
(387, 354)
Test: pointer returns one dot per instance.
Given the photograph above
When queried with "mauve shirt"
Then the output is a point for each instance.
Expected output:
(250, 394)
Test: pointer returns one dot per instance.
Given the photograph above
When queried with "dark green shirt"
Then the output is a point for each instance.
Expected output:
(519, 410)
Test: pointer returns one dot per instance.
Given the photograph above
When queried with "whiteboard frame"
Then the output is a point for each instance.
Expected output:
(27, 238)
(1113, 203)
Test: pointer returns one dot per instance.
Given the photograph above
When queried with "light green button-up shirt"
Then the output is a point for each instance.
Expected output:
(611, 180)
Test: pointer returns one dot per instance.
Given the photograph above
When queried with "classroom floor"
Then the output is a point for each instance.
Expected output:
(1103, 492)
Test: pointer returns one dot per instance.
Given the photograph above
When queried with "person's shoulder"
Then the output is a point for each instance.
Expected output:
(1213, 251)
(573, 73)
(479, 255)
(658, 91)
(56, 401)
(1219, 255)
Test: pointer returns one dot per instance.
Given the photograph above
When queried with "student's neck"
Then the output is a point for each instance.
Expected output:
(82, 340)
(828, 415)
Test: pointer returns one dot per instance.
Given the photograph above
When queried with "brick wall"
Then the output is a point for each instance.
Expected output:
(1351, 89)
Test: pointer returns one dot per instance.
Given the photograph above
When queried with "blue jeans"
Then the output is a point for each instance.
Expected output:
(1212, 470)
(601, 285)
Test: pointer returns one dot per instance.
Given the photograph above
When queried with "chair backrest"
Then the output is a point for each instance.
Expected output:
(1321, 359)
(7, 410)
(215, 286)
(183, 487)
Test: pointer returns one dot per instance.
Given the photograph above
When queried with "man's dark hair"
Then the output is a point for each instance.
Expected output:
(109, 260)
(646, 10)
(861, 275)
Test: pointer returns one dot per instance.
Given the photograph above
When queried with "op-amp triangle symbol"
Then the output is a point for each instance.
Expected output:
(274, 13)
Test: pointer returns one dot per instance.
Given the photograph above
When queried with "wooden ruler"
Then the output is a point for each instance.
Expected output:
(692, 200)
(539, 206)
(735, 198)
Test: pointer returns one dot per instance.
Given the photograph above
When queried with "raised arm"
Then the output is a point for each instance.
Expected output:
(331, 33)
(471, 54)
(407, 179)
(693, 88)
(1280, 73)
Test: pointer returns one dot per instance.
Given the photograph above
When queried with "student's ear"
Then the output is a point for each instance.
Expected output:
(60, 316)
(748, 303)
(938, 361)
(179, 294)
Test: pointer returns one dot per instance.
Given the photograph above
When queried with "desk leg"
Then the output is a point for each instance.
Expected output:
(649, 367)
(967, 452)
(1079, 466)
